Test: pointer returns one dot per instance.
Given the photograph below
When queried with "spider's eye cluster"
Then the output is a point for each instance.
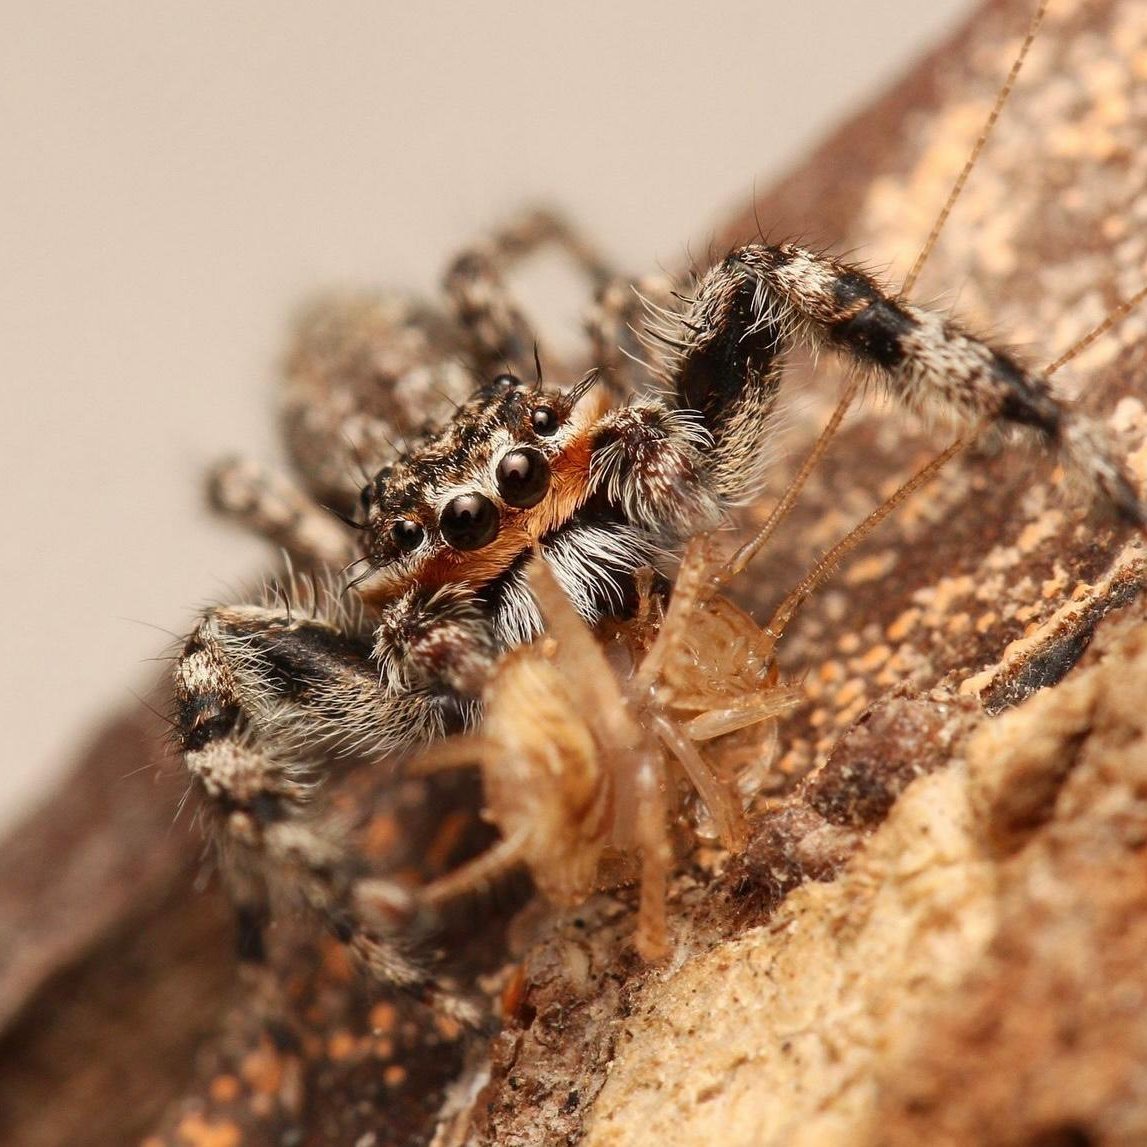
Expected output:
(469, 522)
(523, 478)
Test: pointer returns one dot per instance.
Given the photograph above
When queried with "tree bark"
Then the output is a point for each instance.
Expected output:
(960, 964)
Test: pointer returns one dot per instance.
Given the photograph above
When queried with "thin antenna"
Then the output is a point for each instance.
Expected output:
(346, 521)
(1097, 332)
(580, 389)
(827, 564)
(446, 397)
(970, 162)
(750, 549)
(753, 546)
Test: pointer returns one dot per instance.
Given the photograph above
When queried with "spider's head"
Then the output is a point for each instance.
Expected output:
(468, 501)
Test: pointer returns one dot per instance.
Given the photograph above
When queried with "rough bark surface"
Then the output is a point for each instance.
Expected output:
(935, 936)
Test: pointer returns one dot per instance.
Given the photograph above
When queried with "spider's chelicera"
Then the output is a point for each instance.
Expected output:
(599, 479)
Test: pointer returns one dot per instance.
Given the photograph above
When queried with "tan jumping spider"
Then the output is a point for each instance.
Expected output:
(599, 479)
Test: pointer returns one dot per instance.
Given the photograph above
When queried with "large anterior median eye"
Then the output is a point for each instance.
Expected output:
(469, 522)
(523, 478)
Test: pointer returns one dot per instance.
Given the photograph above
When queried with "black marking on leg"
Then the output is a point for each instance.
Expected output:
(718, 374)
(457, 713)
(1023, 402)
(851, 290)
(203, 718)
(250, 923)
(304, 656)
(266, 808)
(875, 334)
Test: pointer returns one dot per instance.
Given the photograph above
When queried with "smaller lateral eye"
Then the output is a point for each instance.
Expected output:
(523, 478)
(407, 535)
(506, 382)
(544, 420)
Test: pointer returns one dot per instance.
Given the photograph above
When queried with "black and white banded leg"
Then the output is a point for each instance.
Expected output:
(252, 687)
(761, 300)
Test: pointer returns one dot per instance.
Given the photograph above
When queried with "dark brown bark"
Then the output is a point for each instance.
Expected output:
(116, 975)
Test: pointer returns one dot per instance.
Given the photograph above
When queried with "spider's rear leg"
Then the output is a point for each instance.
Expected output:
(502, 337)
(271, 505)
(918, 356)
(362, 374)
(614, 323)
(264, 700)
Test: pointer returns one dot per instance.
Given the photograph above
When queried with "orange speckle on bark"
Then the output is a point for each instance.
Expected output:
(448, 1027)
(383, 1017)
(263, 1070)
(224, 1089)
(195, 1131)
(873, 659)
(870, 568)
(958, 623)
(903, 625)
(848, 693)
(341, 1046)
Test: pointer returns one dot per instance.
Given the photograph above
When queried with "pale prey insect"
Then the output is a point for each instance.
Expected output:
(603, 481)
(587, 751)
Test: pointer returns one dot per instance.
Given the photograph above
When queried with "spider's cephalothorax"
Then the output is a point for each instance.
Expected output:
(449, 522)
(450, 525)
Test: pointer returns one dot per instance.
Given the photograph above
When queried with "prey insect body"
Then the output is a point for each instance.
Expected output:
(584, 760)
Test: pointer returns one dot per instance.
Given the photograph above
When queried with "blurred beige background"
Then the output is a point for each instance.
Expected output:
(176, 177)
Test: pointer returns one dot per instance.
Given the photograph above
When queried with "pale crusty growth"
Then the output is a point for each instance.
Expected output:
(583, 759)
(971, 976)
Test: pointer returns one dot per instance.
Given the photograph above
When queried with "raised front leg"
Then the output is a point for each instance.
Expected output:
(761, 300)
